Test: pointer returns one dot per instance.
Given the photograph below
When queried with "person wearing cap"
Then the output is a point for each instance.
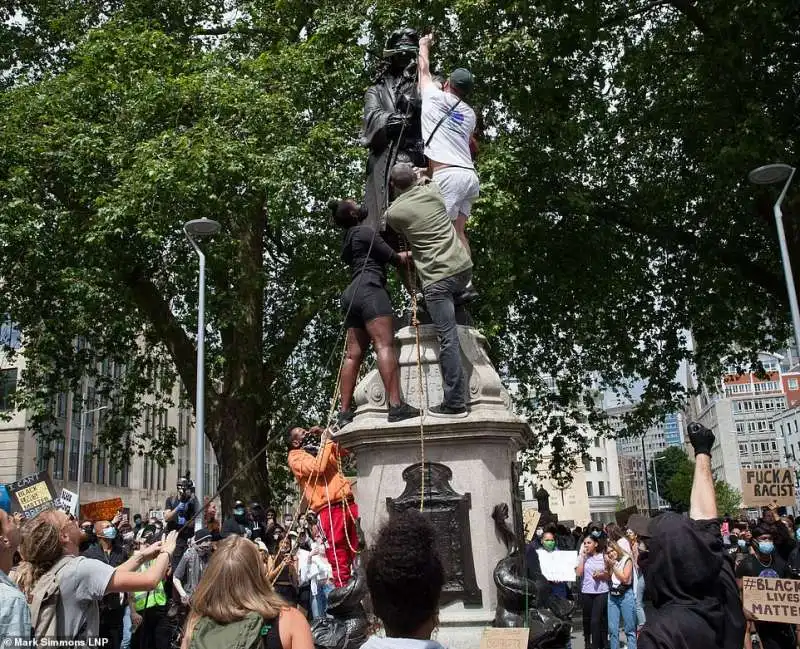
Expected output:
(192, 565)
(448, 129)
(178, 513)
(690, 579)
(238, 523)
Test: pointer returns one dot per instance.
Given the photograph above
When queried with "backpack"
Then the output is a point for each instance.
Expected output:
(46, 602)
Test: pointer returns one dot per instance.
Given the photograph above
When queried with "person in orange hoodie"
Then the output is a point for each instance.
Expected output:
(328, 495)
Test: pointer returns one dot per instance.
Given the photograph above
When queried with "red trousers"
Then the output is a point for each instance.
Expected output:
(339, 525)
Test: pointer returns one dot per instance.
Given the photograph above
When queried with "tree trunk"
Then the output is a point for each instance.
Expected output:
(237, 442)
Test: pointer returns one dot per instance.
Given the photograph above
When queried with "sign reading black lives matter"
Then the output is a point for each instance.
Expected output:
(761, 487)
(33, 494)
(772, 600)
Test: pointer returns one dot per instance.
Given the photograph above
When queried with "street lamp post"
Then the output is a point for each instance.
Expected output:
(646, 479)
(197, 229)
(84, 412)
(772, 174)
(655, 479)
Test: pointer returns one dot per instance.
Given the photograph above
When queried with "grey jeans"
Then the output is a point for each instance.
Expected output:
(439, 300)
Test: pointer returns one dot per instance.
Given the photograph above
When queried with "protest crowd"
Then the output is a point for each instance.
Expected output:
(253, 580)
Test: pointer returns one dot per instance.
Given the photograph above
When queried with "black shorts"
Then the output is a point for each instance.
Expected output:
(370, 300)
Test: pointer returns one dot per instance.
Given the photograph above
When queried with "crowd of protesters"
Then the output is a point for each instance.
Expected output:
(135, 583)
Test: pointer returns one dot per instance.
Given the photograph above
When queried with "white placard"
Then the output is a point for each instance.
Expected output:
(69, 501)
(558, 565)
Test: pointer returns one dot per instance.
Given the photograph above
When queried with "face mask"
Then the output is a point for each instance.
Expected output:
(110, 533)
(797, 534)
(596, 534)
(539, 532)
(203, 550)
(766, 547)
(549, 545)
(238, 512)
(742, 543)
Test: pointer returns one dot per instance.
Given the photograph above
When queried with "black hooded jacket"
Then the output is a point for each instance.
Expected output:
(692, 586)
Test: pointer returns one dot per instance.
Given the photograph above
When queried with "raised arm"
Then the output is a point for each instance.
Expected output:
(424, 61)
(703, 501)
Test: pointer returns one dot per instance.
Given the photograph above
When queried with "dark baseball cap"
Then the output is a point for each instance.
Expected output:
(462, 80)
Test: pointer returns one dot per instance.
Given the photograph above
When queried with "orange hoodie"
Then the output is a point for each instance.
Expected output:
(320, 479)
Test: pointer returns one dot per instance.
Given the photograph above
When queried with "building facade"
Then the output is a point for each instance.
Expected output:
(142, 484)
(636, 454)
(741, 412)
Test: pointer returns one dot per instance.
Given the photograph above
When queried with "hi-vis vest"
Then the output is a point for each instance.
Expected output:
(150, 598)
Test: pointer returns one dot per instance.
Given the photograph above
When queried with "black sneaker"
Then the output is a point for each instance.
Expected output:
(443, 410)
(345, 417)
(402, 412)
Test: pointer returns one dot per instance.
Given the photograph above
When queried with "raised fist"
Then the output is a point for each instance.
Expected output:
(701, 438)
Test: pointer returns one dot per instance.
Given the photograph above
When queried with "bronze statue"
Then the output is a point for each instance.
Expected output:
(345, 625)
(523, 594)
(392, 129)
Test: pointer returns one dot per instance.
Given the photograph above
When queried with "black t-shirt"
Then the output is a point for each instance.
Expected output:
(750, 566)
(360, 241)
(184, 514)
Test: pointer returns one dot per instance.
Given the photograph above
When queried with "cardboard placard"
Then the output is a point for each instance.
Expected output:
(530, 520)
(558, 565)
(772, 600)
(762, 487)
(32, 494)
(505, 638)
(68, 501)
(101, 510)
(158, 514)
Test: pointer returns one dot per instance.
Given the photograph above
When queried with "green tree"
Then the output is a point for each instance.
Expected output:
(679, 487)
(729, 500)
(663, 466)
(614, 216)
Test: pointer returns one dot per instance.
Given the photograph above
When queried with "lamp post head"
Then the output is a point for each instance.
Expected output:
(201, 227)
(770, 174)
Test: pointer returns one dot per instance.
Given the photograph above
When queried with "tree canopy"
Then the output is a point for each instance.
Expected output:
(615, 214)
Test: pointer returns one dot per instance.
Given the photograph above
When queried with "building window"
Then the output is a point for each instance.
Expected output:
(9, 334)
(88, 460)
(601, 487)
(42, 456)
(124, 475)
(587, 463)
(145, 473)
(589, 491)
(774, 446)
(8, 385)
(112, 475)
(101, 466)
(597, 442)
(599, 462)
(792, 384)
(61, 405)
(73, 459)
(58, 460)
(743, 449)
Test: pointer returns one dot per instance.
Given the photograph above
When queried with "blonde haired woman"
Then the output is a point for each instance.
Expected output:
(234, 606)
(621, 596)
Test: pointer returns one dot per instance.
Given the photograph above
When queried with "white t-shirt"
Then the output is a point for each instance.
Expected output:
(450, 143)
(619, 565)
(83, 585)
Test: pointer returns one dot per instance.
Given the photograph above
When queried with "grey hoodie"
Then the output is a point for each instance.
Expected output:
(400, 643)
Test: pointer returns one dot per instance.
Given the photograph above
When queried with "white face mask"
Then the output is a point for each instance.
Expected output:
(539, 532)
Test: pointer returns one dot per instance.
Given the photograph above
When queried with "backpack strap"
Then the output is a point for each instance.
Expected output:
(49, 586)
(441, 121)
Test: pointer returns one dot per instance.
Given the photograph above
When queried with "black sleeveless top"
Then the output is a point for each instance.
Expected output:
(270, 635)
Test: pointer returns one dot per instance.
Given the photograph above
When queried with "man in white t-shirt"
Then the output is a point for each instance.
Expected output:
(448, 127)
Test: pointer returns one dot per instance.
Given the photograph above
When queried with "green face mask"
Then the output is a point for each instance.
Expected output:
(549, 545)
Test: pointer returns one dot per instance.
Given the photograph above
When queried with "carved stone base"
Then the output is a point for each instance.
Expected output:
(478, 450)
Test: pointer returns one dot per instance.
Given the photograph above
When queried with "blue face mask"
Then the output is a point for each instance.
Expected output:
(596, 534)
(238, 512)
(797, 534)
(110, 533)
(766, 547)
(742, 543)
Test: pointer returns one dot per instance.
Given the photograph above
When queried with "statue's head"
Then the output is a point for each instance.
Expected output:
(402, 47)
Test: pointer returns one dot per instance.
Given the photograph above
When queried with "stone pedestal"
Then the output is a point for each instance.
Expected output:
(478, 450)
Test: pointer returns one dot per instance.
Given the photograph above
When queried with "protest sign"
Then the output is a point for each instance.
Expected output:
(505, 639)
(530, 519)
(158, 514)
(772, 600)
(101, 510)
(69, 501)
(761, 487)
(32, 494)
(558, 565)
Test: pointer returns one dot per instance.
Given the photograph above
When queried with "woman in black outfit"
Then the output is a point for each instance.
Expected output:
(367, 308)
